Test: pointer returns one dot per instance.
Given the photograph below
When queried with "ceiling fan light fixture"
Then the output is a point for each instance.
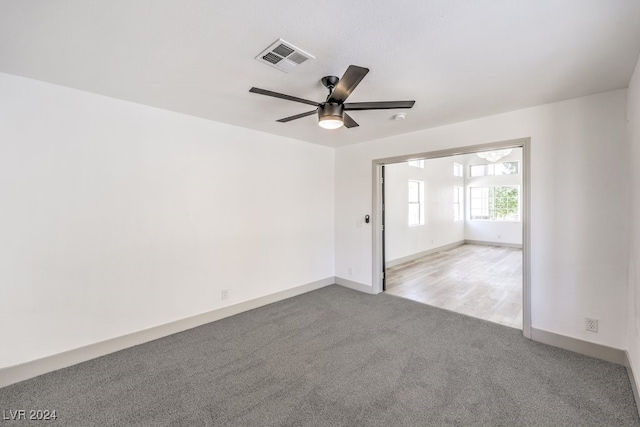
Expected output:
(330, 123)
(330, 116)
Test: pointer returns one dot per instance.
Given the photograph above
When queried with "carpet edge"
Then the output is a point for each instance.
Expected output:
(632, 379)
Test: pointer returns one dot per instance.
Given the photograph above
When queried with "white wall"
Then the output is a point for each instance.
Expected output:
(578, 186)
(439, 229)
(633, 300)
(117, 217)
(500, 232)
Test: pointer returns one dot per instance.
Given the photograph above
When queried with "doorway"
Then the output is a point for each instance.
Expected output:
(442, 242)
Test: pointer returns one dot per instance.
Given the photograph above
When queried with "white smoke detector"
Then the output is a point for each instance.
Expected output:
(284, 56)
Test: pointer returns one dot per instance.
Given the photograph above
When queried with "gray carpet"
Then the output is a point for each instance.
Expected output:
(336, 357)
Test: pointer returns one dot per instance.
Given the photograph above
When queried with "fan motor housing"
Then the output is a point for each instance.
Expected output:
(330, 111)
(331, 115)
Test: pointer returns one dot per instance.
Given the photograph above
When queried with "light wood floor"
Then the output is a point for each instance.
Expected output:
(479, 281)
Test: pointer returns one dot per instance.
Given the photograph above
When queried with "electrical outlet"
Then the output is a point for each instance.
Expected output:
(591, 324)
(350, 271)
(225, 293)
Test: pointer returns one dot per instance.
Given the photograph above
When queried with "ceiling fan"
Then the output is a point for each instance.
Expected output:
(332, 112)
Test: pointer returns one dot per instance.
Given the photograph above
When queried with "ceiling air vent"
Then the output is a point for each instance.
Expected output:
(284, 56)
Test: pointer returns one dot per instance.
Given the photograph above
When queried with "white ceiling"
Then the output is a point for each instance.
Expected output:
(458, 59)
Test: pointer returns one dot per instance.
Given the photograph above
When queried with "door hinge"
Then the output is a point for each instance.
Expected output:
(383, 274)
(382, 180)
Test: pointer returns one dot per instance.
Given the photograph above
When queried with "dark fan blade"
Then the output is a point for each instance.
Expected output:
(297, 116)
(282, 96)
(385, 105)
(349, 122)
(351, 78)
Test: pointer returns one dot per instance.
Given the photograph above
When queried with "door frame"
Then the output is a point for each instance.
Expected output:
(377, 209)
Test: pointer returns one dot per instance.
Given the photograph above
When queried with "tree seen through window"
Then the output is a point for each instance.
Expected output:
(495, 203)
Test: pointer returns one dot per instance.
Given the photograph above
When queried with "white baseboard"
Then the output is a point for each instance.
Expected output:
(587, 348)
(356, 286)
(486, 243)
(24, 371)
(398, 261)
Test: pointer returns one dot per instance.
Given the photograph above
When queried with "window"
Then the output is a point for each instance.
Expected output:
(416, 203)
(458, 208)
(416, 163)
(477, 170)
(505, 168)
(457, 169)
(495, 203)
